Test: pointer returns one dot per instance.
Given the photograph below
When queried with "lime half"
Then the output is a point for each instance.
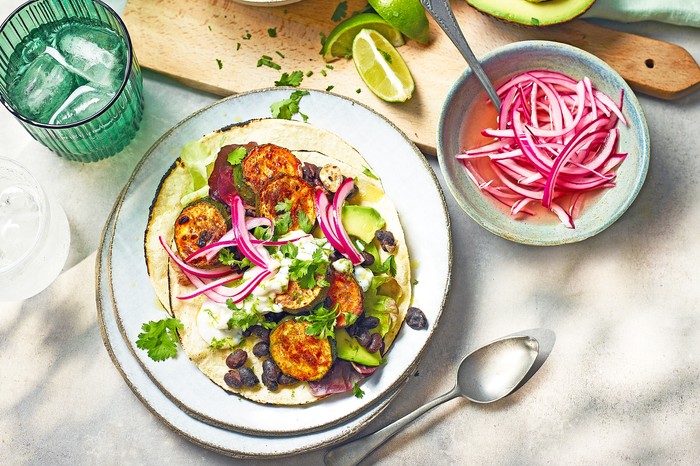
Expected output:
(381, 67)
(339, 41)
(408, 16)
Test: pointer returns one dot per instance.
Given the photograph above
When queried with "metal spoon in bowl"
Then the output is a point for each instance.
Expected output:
(485, 375)
(441, 11)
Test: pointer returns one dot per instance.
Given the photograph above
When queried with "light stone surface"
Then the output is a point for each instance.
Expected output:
(622, 385)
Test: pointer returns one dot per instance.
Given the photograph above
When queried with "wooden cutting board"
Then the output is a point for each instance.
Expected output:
(215, 45)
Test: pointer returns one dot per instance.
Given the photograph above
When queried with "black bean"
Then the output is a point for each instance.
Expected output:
(334, 256)
(368, 259)
(416, 319)
(309, 172)
(368, 322)
(261, 349)
(284, 379)
(363, 337)
(233, 378)
(270, 374)
(376, 343)
(386, 240)
(248, 377)
(236, 359)
(275, 316)
(352, 329)
(261, 332)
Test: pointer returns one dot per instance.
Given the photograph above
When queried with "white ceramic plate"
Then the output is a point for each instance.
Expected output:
(407, 179)
(221, 440)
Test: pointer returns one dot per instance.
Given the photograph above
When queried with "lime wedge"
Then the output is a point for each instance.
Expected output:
(339, 41)
(381, 67)
(408, 16)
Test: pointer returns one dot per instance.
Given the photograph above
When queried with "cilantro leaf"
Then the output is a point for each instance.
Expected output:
(222, 343)
(284, 206)
(159, 338)
(289, 250)
(357, 391)
(272, 32)
(368, 171)
(322, 322)
(227, 257)
(287, 108)
(283, 224)
(306, 272)
(290, 79)
(219, 63)
(304, 222)
(341, 11)
(237, 155)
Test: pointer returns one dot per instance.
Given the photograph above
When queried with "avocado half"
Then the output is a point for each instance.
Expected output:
(543, 13)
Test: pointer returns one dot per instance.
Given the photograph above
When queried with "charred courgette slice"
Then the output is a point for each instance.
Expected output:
(345, 292)
(297, 299)
(266, 161)
(299, 355)
(200, 223)
(290, 189)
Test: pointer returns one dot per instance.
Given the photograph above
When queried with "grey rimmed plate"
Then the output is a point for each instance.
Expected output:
(467, 97)
(407, 179)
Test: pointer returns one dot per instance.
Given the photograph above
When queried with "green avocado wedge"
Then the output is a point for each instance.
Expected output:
(545, 13)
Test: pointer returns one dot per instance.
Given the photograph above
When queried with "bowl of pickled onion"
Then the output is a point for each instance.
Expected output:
(563, 158)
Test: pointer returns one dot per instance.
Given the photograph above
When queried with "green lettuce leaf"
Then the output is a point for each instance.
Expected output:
(199, 162)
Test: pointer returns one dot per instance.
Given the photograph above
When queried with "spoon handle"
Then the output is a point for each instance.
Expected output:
(442, 13)
(353, 452)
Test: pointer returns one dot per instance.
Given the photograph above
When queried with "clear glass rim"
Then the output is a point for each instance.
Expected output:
(43, 207)
(125, 80)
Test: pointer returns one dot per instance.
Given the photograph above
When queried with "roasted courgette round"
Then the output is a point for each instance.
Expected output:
(345, 292)
(200, 223)
(297, 299)
(298, 192)
(299, 355)
(267, 161)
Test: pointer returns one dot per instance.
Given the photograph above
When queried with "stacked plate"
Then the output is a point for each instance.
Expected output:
(175, 390)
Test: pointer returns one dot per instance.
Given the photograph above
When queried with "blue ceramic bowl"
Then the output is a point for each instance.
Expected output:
(466, 99)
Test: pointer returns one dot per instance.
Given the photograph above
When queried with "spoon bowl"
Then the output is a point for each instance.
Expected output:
(485, 375)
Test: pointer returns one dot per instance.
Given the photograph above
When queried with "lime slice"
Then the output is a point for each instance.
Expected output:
(339, 41)
(408, 16)
(381, 67)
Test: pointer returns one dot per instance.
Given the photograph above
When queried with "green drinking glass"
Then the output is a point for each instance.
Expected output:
(68, 73)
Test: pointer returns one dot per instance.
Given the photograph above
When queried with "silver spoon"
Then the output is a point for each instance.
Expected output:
(441, 11)
(485, 375)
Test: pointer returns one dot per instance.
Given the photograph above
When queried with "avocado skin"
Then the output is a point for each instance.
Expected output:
(529, 13)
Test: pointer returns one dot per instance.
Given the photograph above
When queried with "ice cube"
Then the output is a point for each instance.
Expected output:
(42, 88)
(84, 102)
(95, 53)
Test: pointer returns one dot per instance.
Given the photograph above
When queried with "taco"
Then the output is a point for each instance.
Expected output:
(275, 246)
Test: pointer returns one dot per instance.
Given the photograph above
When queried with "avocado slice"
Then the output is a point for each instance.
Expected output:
(362, 221)
(349, 349)
(530, 13)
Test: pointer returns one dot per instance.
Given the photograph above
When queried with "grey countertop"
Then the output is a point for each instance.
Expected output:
(622, 384)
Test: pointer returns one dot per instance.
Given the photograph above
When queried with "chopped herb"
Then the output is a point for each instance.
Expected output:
(357, 391)
(329, 88)
(534, 21)
(287, 108)
(220, 63)
(309, 73)
(304, 222)
(222, 343)
(267, 61)
(226, 257)
(159, 338)
(305, 272)
(238, 46)
(358, 90)
(386, 55)
(415, 282)
(242, 318)
(247, 36)
(209, 26)
(340, 12)
(272, 32)
(283, 206)
(279, 53)
(289, 250)
(330, 67)
(322, 322)
(237, 155)
(290, 79)
(323, 72)
(368, 171)
(283, 224)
